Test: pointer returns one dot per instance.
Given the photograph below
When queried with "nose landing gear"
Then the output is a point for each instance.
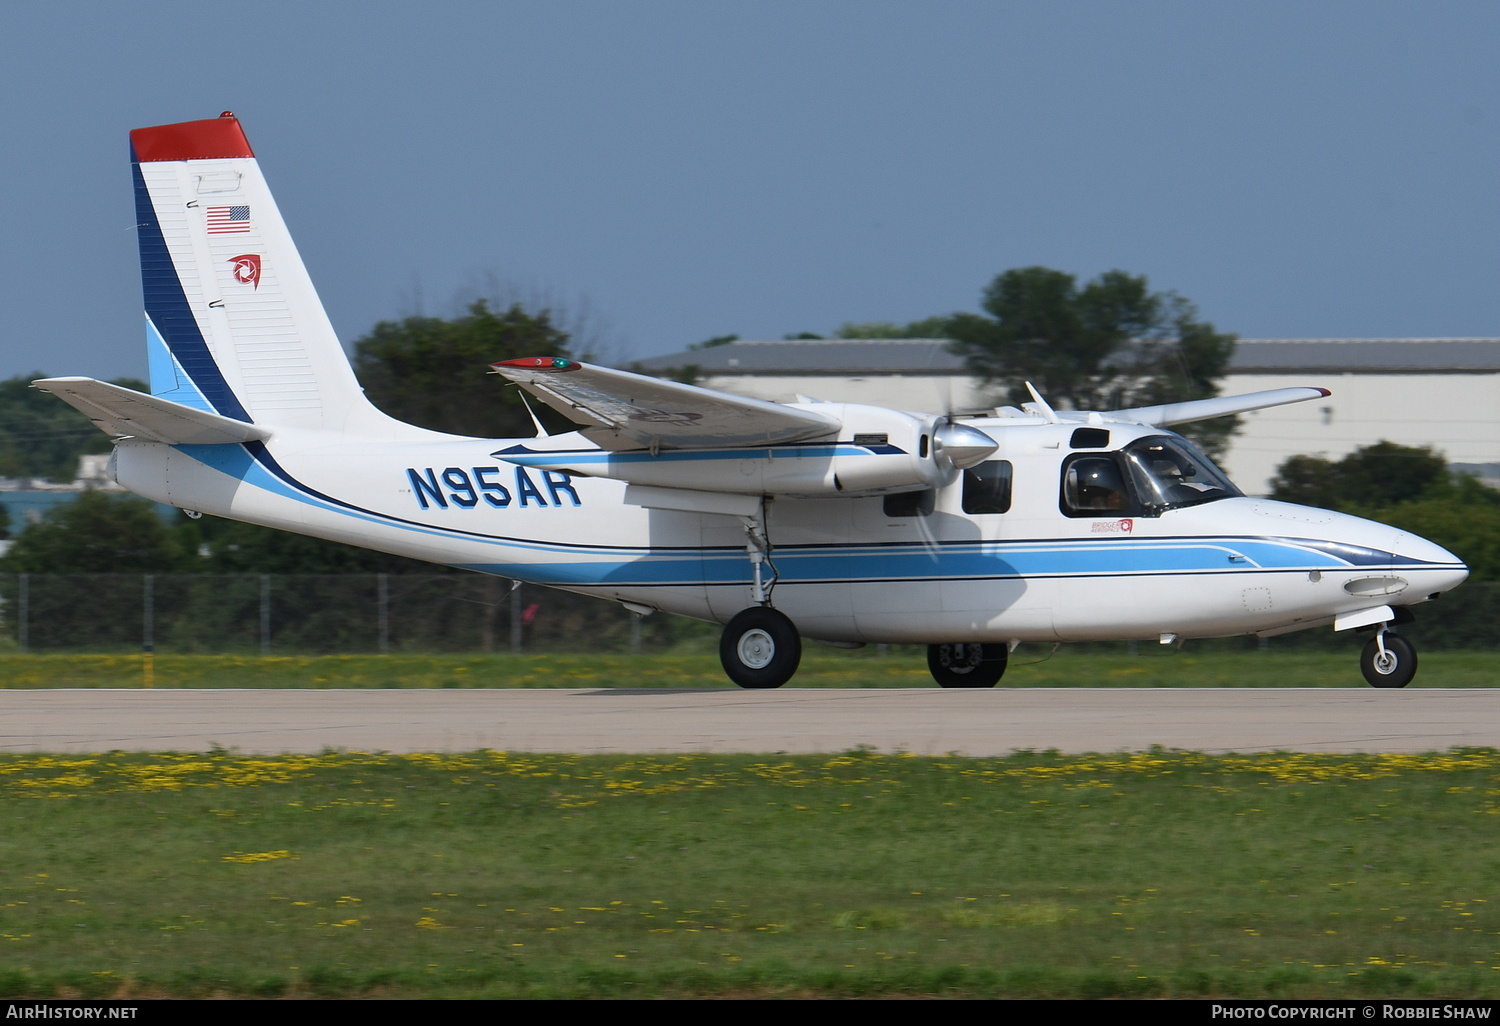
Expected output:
(1388, 661)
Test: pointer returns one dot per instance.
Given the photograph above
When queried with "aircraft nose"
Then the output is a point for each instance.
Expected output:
(1450, 570)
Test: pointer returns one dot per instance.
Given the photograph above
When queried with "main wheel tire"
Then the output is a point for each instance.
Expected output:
(760, 648)
(1395, 668)
(967, 666)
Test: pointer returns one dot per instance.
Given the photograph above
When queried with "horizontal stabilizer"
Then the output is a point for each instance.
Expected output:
(622, 410)
(1219, 406)
(120, 412)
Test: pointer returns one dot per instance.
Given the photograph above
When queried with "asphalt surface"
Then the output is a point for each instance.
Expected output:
(922, 721)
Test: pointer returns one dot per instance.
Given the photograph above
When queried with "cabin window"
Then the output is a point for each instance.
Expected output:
(987, 487)
(1089, 438)
(911, 504)
(1093, 486)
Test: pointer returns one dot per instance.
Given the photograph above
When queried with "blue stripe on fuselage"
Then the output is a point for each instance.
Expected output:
(967, 561)
(582, 564)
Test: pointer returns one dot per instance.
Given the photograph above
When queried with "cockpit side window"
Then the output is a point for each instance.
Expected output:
(1094, 486)
(987, 487)
(1146, 478)
(1169, 473)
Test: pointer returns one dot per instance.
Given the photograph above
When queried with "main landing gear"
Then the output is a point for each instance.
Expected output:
(1388, 661)
(967, 666)
(760, 648)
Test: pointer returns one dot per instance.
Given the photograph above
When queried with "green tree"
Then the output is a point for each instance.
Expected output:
(1375, 476)
(931, 327)
(1110, 344)
(98, 533)
(436, 373)
(101, 533)
(1463, 518)
(1307, 481)
(1407, 487)
(1390, 474)
(42, 436)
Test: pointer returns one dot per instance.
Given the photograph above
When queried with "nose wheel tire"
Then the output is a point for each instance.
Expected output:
(1393, 668)
(967, 666)
(760, 648)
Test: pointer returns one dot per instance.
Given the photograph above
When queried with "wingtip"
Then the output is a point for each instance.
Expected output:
(539, 363)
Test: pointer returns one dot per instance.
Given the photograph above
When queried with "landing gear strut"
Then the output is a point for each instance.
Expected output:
(967, 666)
(760, 647)
(1388, 661)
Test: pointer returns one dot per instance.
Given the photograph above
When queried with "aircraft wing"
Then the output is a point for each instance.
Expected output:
(122, 411)
(621, 410)
(1219, 406)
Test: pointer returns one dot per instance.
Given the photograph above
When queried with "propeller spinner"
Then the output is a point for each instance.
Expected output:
(961, 446)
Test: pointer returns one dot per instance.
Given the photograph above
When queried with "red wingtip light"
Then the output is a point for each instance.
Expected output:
(542, 363)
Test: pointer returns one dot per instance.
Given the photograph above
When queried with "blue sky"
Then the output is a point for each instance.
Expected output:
(662, 172)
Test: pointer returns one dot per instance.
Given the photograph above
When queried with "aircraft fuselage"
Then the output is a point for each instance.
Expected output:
(1235, 565)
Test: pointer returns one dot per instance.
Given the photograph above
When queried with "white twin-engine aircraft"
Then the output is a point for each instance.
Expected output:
(845, 523)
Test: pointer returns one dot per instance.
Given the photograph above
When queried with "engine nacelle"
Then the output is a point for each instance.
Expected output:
(877, 451)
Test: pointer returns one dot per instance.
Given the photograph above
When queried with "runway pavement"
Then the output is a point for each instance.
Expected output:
(923, 721)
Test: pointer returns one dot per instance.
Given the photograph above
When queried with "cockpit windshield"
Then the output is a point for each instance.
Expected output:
(1169, 472)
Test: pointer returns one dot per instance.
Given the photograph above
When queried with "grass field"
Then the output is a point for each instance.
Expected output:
(500, 875)
(495, 875)
(821, 668)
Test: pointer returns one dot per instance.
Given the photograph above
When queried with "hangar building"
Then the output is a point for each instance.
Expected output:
(1438, 392)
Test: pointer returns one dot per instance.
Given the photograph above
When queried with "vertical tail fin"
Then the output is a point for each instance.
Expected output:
(233, 324)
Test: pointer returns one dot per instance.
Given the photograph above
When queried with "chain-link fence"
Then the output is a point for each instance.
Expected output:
(307, 613)
(315, 613)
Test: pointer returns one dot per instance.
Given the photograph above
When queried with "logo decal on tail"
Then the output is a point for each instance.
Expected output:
(247, 269)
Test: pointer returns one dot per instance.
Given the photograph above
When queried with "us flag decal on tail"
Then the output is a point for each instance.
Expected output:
(228, 220)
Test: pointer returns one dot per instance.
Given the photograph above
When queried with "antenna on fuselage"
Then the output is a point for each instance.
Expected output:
(541, 432)
(1041, 405)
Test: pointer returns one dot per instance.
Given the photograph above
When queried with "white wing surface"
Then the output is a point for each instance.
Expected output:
(621, 410)
(1218, 406)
